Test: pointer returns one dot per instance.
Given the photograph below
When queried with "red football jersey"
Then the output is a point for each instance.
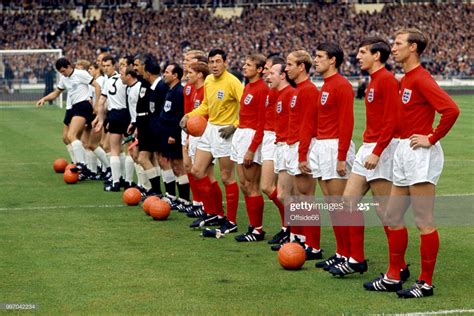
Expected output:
(421, 98)
(381, 108)
(307, 94)
(198, 96)
(252, 110)
(270, 115)
(188, 92)
(282, 111)
(335, 113)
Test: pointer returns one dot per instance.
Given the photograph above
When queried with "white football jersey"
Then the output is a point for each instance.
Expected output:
(115, 91)
(77, 86)
(133, 93)
(100, 80)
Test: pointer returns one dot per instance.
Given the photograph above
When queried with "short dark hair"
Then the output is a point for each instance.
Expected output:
(333, 50)
(177, 70)
(217, 51)
(129, 59)
(282, 63)
(377, 44)
(276, 59)
(144, 57)
(109, 58)
(152, 66)
(62, 63)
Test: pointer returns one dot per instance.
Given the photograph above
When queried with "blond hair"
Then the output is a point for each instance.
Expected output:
(303, 57)
(415, 36)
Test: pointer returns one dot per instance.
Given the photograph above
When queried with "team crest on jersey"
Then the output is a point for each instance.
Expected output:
(324, 97)
(406, 96)
(188, 90)
(293, 102)
(152, 107)
(248, 99)
(279, 107)
(167, 106)
(220, 95)
(267, 101)
(370, 96)
(196, 103)
(142, 92)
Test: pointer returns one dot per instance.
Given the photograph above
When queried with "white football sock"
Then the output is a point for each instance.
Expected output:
(79, 151)
(116, 168)
(91, 161)
(100, 153)
(129, 169)
(71, 153)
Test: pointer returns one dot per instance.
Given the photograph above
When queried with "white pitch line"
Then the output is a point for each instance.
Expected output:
(39, 208)
(445, 312)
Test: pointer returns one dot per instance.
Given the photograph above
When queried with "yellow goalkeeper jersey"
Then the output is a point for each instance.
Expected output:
(221, 100)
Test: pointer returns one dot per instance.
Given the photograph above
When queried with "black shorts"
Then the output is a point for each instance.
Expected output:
(83, 109)
(171, 151)
(146, 141)
(119, 120)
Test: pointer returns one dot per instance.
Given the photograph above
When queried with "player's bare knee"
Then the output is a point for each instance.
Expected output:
(71, 137)
(198, 173)
(267, 189)
(227, 177)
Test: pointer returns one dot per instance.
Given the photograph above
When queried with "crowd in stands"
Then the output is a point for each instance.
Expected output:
(168, 32)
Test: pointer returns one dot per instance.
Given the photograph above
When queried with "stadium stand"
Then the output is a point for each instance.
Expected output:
(135, 27)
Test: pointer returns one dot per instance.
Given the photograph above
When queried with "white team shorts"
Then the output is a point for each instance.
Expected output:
(212, 142)
(240, 144)
(281, 149)
(291, 160)
(184, 137)
(268, 145)
(323, 159)
(412, 166)
(192, 146)
(384, 168)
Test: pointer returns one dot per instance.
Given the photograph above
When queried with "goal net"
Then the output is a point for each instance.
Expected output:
(27, 75)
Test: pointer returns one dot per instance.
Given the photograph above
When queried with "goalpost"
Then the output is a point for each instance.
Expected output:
(26, 75)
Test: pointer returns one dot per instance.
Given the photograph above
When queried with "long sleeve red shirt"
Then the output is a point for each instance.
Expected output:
(252, 110)
(270, 114)
(336, 113)
(282, 112)
(421, 98)
(381, 108)
(188, 91)
(198, 96)
(307, 93)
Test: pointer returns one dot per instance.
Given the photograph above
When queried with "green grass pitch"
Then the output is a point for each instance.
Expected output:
(76, 249)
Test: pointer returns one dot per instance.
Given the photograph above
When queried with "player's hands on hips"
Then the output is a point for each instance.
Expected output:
(227, 132)
(171, 140)
(304, 167)
(183, 122)
(248, 158)
(40, 103)
(341, 168)
(371, 162)
(419, 141)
